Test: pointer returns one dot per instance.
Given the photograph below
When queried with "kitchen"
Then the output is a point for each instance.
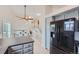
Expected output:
(32, 35)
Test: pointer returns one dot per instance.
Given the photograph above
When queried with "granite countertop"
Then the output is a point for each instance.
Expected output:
(5, 43)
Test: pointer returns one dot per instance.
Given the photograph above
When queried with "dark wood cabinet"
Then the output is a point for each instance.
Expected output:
(25, 48)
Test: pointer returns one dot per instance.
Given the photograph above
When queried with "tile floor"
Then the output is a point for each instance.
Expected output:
(38, 49)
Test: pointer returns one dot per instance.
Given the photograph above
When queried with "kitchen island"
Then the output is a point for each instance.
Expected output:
(20, 45)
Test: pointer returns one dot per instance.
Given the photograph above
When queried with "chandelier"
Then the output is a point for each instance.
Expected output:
(25, 17)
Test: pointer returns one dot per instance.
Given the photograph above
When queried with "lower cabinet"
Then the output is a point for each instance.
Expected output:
(27, 50)
(15, 52)
(21, 49)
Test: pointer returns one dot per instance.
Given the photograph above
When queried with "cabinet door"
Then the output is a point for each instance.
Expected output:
(31, 52)
(26, 50)
(18, 47)
(27, 45)
(17, 52)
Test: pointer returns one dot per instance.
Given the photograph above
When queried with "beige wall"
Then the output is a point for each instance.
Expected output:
(4, 15)
(48, 9)
(31, 11)
(9, 13)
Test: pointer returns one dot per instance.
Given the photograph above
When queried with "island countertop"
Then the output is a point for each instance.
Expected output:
(5, 43)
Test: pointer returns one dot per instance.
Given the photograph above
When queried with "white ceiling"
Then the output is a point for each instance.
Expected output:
(32, 10)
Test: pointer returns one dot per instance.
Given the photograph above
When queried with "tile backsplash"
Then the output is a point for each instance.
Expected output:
(21, 33)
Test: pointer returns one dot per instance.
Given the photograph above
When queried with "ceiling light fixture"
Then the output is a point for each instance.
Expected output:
(25, 17)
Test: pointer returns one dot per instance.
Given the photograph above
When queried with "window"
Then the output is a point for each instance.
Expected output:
(7, 30)
(69, 25)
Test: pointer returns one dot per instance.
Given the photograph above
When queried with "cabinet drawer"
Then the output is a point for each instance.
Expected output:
(28, 45)
(30, 52)
(16, 52)
(16, 47)
(27, 49)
